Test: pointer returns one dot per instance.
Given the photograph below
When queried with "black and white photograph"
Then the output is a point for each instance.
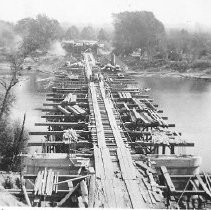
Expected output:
(105, 104)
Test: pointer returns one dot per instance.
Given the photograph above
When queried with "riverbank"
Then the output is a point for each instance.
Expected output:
(171, 74)
(164, 70)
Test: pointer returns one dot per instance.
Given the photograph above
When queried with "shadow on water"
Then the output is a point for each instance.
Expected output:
(188, 104)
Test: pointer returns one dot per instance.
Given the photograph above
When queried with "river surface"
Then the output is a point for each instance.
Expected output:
(28, 99)
(187, 103)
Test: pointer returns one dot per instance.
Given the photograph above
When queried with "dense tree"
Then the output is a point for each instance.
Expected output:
(38, 33)
(102, 35)
(72, 33)
(191, 45)
(88, 33)
(135, 30)
(12, 136)
(7, 34)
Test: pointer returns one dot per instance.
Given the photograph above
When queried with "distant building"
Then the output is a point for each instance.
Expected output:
(78, 46)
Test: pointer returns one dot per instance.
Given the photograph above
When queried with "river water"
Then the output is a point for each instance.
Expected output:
(28, 99)
(187, 103)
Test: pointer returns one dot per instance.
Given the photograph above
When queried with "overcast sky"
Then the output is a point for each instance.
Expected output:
(170, 12)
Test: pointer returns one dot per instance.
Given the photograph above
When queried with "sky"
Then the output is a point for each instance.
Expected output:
(170, 12)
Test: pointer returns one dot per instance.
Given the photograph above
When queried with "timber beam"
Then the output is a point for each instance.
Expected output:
(141, 143)
(65, 124)
(85, 144)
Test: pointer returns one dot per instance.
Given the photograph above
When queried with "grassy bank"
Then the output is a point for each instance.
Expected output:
(198, 69)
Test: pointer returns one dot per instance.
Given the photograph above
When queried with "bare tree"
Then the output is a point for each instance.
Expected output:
(16, 61)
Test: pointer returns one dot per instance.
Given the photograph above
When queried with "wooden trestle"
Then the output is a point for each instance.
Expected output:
(98, 159)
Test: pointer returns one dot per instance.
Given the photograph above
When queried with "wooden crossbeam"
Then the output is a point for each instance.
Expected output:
(178, 144)
(69, 91)
(61, 202)
(55, 143)
(79, 88)
(188, 192)
(55, 132)
(62, 98)
(33, 176)
(145, 167)
(74, 179)
(79, 95)
(66, 124)
(58, 116)
(130, 105)
(49, 110)
(56, 104)
(150, 125)
(185, 176)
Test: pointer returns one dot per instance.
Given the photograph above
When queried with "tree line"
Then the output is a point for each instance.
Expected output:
(143, 32)
(38, 33)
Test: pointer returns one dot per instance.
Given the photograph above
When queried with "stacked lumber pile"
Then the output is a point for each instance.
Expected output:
(76, 110)
(123, 95)
(44, 183)
(140, 117)
(149, 104)
(147, 116)
(63, 110)
(68, 106)
(140, 105)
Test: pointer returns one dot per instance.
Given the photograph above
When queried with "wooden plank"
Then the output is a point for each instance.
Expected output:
(55, 132)
(168, 180)
(92, 186)
(44, 180)
(84, 192)
(54, 143)
(40, 183)
(134, 193)
(176, 144)
(51, 184)
(110, 195)
(37, 182)
(100, 173)
(74, 179)
(48, 178)
(67, 196)
(63, 110)
(145, 167)
(207, 181)
(107, 163)
(98, 120)
(66, 124)
(203, 186)
(25, 191)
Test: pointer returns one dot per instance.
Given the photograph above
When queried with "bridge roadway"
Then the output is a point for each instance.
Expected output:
(116, 181)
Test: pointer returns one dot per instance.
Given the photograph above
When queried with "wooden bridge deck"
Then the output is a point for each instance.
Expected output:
(117, 180)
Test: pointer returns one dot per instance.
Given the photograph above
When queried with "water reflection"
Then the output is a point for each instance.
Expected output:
(187, 103)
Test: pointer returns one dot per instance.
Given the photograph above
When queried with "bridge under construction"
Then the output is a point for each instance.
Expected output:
(107, 145)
